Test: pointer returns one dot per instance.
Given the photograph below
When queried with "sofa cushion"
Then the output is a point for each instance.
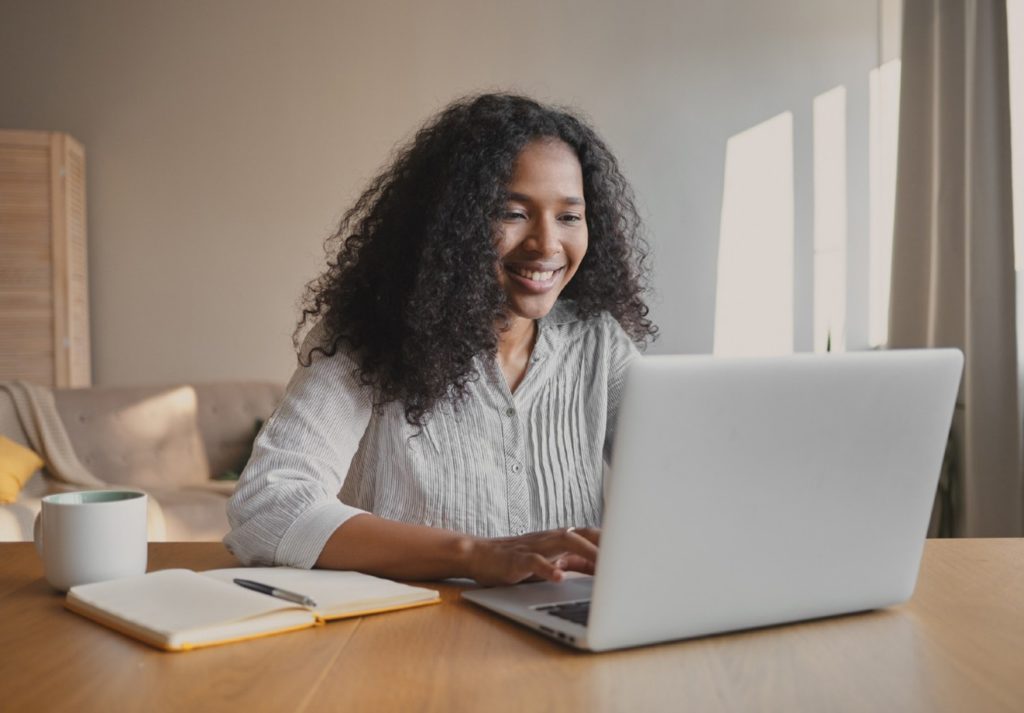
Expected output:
(163, 437)
(17, 518)
(142, 436)
(17, 464)
(227, 415)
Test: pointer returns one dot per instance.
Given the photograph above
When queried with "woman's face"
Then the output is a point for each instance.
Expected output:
(543, 235)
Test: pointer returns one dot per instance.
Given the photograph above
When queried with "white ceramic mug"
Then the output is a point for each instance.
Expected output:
(91, 536)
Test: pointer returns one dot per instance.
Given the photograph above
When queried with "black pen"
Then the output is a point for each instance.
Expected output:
(275, 592)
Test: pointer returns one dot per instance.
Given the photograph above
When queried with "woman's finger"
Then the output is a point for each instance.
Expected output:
(546, 569)
(575, 563)
(542, 555)
(592, 534)
(577, 543)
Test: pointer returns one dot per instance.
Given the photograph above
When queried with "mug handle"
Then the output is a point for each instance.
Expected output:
(37, 532)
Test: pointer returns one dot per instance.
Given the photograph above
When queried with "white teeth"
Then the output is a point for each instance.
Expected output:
(533, 275)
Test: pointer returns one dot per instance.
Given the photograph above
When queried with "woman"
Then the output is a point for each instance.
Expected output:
(455, 400)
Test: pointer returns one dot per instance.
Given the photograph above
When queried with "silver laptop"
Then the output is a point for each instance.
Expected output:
(751, 492)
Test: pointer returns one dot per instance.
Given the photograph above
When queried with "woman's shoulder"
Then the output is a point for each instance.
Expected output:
(598, 335)
(596, 340)
(314, 343)
(318, 345)
(322, 358)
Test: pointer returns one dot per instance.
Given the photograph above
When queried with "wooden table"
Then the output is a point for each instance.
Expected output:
(957, 646)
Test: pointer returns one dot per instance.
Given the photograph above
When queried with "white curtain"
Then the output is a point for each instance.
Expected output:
(953, 267)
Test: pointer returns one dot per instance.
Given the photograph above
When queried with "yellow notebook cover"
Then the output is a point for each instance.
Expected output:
(180, 610)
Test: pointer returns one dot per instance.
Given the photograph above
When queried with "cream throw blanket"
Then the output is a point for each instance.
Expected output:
(41, 422)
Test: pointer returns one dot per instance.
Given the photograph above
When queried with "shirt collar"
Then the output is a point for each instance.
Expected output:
(564, 312)
(548, 334)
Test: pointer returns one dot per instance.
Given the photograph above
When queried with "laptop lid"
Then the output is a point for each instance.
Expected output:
(747, 492)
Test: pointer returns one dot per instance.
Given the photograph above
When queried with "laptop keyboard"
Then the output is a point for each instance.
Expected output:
(576, 612)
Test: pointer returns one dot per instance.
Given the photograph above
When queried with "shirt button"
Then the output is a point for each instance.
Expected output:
(510, 412)
(516, 467)
(520, 531)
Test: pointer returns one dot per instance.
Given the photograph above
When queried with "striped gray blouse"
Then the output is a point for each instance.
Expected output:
(497, 464)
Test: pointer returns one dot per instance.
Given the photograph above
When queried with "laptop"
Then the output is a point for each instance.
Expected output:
(747, 492)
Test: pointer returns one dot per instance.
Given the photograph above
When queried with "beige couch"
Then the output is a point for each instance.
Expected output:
(167, 441)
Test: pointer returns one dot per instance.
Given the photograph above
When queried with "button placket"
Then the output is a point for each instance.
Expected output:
(517, 491)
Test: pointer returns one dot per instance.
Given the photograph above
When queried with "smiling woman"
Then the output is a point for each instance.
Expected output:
(543, 240)
(457, 390)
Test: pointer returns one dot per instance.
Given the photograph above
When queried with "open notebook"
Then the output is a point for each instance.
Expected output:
(178, 609)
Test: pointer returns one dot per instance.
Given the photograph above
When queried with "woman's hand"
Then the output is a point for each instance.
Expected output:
(544, 555)
(400, 550)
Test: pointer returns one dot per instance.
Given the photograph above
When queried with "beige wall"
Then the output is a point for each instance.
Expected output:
(226, 137)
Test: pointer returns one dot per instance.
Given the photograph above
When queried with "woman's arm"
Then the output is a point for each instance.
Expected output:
(399, 550)
(286, 504)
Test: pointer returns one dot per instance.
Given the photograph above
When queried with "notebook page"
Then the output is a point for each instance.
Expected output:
(175, 600)
(331, 590)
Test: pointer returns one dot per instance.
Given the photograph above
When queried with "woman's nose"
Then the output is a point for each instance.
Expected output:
(544, 236)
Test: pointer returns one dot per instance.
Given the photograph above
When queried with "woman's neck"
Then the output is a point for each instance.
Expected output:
(515, 344)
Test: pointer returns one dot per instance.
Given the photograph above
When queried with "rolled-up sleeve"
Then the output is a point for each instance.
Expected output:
(286, 504)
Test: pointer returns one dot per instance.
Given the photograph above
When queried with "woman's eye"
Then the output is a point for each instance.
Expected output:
(571, 218)
(513, 215)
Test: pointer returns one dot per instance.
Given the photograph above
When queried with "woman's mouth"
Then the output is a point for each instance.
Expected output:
(536, 281)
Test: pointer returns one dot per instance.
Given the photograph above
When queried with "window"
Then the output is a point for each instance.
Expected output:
(755, 310)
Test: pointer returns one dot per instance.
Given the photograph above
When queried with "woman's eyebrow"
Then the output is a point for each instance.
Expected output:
(523, 198)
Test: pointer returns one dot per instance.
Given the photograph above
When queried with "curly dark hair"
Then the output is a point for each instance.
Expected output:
(411, 284)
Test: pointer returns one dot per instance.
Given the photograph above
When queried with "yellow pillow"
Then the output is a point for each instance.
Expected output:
(17, 464)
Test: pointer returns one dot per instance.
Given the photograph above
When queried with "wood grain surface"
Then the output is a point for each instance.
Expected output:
(958, 645)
